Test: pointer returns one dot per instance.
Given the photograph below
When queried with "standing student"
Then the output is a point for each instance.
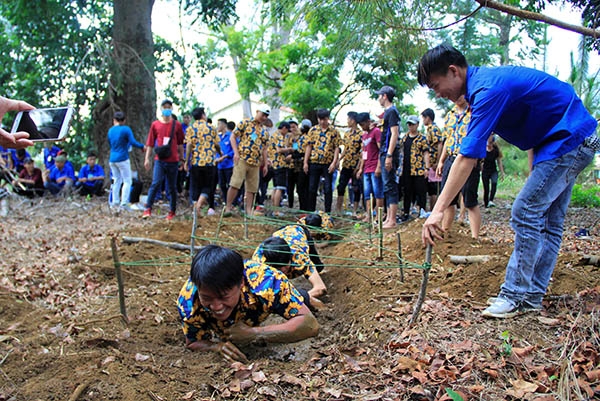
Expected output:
(350, 156)
(321, 159)
(388, 153)
(164, 132)
(120, 139)
(369, 164)
(489, 171)
(536, 112)
(435, 139)
(225, 161)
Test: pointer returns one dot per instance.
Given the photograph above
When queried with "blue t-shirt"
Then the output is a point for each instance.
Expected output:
(120, 138)
(67, 171)
(49, 155)
(87, 172)
(528, 108)
(18, 164)
(226, 149)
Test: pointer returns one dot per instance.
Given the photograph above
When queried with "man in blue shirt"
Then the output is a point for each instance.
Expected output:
(59, 180)
(91, 177)
(225, 161)
(535, 112)
(18, 158)
(50, 152)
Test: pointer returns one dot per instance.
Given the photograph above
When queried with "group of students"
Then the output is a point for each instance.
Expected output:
(225, 299)
(58, 176)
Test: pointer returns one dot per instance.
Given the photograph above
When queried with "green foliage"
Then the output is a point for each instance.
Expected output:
(506, 346)
(585, 197)
(453, 395)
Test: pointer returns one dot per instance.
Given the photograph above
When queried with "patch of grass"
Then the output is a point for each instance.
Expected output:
(585, 197)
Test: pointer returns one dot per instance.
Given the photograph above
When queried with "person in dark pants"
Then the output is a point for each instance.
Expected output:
(225, 161)
(321, 159)
(165, 131)
(301, 176)
(351, 156)
(415, 164)
(489, 172)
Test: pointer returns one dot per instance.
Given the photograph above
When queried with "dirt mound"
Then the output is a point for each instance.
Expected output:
(62, 335)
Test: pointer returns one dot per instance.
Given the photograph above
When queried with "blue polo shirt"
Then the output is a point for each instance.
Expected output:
(18, 163)
(226, 149)
(67, 171)
(121, 139)
(87, 172)
(528, 108)
(49, 155)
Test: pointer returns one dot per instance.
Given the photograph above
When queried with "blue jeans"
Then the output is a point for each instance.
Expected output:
(373, 185)
(390, 184)
(161, 171)
(538, 215)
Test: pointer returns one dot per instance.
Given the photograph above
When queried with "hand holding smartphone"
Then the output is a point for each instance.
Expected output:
(44, 125)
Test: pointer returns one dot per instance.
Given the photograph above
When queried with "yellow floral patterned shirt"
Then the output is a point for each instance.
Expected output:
(455, 129)
(417, 154)
(253, 136)
(202, 141)
(277, 140)
(352, 148)
(324, 144)
(264, 291)
(434, 137)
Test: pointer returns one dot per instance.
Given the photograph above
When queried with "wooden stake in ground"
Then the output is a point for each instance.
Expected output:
(219, 225)
(423, 290)
(370, 219)
(380, 227)
(194, 220)
(463, 260)
(173, 245)
(400, 261)
(113, 246)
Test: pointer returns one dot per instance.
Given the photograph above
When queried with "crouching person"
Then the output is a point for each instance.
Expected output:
(290, 251)
(229, 299)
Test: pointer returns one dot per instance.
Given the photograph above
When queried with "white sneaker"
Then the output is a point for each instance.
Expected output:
(210, 212)
(423, 214)
(501, 308)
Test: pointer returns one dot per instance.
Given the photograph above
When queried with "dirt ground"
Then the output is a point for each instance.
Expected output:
(62, 336)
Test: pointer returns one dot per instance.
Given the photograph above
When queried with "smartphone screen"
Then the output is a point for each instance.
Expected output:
(44, 124)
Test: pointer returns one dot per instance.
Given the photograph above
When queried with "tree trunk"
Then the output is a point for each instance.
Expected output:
(132, 87)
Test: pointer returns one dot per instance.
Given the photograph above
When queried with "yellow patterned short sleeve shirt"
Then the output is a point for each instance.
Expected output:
(253, 136)
(201, 140)
(324, 143)
(352, 148)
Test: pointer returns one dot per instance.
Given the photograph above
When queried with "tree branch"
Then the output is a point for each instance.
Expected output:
(518, 12)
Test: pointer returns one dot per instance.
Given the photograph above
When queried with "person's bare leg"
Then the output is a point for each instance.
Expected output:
(231, 195)
(201, 202)
(432, 200)
(339, 206)
(276, 199)
(391, 218)
(474, 221)
(379, 208)
(448, 218)
(249, 203)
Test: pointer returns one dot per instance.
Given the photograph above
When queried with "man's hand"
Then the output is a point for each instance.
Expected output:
(17, 140)
(432, 228)
(147, 164)
(231, 353)
(388, 164)
(305, 168)
(240, 333)
(236, 157)
(439, 170)
(332, 168)
(378, 171)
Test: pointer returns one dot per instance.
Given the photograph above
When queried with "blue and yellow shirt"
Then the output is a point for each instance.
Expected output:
(352, 148)
(296, 238)
(321, 232)
(434, 137)
(417, 154)
(202, 141)
(253, 136)
(264, 291)
(455, 129)
(324, 143)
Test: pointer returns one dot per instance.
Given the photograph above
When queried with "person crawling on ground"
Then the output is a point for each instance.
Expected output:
(290, 251)
(320, 224)
(225, 300)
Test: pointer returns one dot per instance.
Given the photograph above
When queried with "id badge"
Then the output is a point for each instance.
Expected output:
(295, 146)
(253, 137)
(364, 154)
(166, 140)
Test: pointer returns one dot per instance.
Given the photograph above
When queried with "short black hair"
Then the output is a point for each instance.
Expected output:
(230, 125)
(352, 115)
(119, 116)
(21, 153)
(92, 153)
(222, 120)
(428, 113)
(284, 124)
(209, 120)
(313, 220)
(437, 60)
(217, 268)
(198, 113)
(323, 113)
(277, 252)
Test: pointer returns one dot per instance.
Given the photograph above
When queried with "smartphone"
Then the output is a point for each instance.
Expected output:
(44, 125)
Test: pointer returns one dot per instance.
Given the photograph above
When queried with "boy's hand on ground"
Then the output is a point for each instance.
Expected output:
(231, 353)
(432, 228)
(240, 334)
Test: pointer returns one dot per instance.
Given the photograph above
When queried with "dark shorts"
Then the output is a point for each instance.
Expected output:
(469, 190)
(280, 178)
(434, 188)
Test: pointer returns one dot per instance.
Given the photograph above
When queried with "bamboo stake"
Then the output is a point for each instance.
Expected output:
(245, 226)
(194, 220)
(173, 245)
(423, 290)
(219, 225)
(113, 246)
(400, 261)
(370, 211)
(380, 225)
